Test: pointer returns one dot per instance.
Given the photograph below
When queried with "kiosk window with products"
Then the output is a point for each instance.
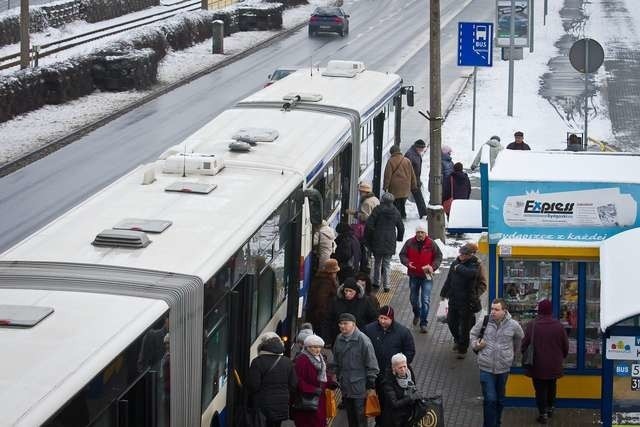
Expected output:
(573, 287)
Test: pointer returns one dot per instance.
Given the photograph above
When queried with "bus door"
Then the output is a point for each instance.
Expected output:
(378, 143)
(137, 407)
(241, 302)
(345, 170)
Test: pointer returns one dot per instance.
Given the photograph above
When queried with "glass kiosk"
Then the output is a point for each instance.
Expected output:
(548, 215)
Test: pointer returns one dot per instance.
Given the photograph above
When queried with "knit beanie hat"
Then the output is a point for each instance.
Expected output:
(420, 144)
(386, 310)
(544, 307)
(350, 283)
(387, 198)
(313, 340)
(305, 331)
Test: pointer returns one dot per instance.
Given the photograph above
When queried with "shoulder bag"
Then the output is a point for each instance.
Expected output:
(485, 321)
(527, 355)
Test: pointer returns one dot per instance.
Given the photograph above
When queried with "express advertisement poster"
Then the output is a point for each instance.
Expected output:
(581, 212)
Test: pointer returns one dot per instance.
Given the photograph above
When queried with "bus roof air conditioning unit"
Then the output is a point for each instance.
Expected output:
(192, 163)
(122, 239)
(349, 69)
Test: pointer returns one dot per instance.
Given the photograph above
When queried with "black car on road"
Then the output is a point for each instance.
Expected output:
(328, 20)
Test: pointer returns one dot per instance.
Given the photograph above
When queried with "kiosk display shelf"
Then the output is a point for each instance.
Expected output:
(569, 309)
(525, 282)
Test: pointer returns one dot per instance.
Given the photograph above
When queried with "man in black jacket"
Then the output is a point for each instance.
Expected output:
(414, 153)
(388, 338)
(384, 227)
(463, 287)
(519, 143)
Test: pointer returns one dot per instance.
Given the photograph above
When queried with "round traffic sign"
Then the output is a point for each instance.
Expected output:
(588, 49)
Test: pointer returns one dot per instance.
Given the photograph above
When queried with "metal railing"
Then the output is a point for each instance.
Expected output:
(219, 4)
(46, 49)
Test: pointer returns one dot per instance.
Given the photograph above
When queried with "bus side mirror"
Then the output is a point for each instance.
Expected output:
(408, 90)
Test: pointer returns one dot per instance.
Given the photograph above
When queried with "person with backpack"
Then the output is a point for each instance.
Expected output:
(384, 228)
(347, 251)
(271, 380)
(465, 283)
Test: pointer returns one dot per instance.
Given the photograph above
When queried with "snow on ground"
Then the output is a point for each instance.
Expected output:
(31, 131)
(543, 127)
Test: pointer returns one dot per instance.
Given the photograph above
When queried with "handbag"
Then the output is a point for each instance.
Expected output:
(306, 402)
(527, 355)
(251, 417)
(358, 230)
(443, 310)
(372, 406)
(427, 411)
(332, 406)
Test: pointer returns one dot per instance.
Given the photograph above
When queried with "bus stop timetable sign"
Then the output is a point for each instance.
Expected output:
(475, 44)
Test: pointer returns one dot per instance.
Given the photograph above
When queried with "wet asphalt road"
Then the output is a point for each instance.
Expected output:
(385, 35)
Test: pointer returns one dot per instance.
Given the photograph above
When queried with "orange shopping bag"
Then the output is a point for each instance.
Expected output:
(332, 407)
(372, 405)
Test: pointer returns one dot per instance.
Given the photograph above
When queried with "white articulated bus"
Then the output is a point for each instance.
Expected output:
(141, 306)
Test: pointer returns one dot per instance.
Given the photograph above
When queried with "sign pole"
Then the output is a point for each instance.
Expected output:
(475, 49)
(586, 92)
(512, 30)
(546, 9)
(531, 26)
(473, 120)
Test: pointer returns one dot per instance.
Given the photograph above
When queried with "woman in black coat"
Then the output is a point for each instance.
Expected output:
(400, 393)
(271, 379)
(460, 182)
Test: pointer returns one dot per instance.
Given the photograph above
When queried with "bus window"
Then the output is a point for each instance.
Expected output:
(129, 377)
(215, 350)
(266, 285)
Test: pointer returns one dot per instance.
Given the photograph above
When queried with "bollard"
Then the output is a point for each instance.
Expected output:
(217, 37)
(35, 49)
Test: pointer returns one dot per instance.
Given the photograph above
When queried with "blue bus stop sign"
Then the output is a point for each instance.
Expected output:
(475, 44)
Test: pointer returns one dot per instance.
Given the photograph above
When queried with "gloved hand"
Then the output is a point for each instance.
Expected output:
(371, 384)
(412, 393)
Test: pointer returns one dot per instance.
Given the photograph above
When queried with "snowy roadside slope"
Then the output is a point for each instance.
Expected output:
(34, 130)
